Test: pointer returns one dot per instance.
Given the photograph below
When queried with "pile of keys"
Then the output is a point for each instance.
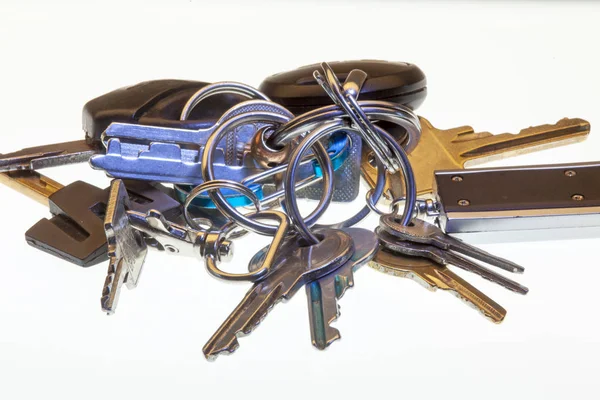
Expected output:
(189, 158)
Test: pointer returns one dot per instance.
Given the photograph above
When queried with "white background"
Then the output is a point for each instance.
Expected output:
(497, 67)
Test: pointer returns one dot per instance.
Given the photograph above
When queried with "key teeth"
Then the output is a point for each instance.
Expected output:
(246, 330)
(110, 291)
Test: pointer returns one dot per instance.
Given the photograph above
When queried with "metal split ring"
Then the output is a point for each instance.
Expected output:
(220, 88)
(217, 197)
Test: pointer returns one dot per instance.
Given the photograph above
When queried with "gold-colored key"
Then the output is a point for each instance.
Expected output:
(32, 184)
(453, 148)
(434, 276)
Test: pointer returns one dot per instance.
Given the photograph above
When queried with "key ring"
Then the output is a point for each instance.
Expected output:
(218, 198)
(212, 186)
(267, 263)
(376, 109)
(290, 195)
(332, 86)
(220, 88)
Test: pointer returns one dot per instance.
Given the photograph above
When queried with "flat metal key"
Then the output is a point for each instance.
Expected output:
(423, 232)
(126, 248)
(459, 147)
(446, 257)
(130, 233)
(156, 102)
(304, 264)
(322, 294)
(432, 276)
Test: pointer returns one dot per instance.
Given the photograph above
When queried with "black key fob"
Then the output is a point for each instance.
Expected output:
(397, 82)
(157, 103)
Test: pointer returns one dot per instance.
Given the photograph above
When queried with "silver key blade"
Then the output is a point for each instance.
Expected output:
(423, 232)
(115, 277)
(51, 155)
(126, 247)
(323, 293)
(447, 257)
(291, 271)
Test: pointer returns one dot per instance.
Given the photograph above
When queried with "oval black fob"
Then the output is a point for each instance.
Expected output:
(397, 82)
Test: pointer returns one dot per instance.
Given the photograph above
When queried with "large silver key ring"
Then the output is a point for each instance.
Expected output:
(218, 198)
(220, 88)
(290, 200)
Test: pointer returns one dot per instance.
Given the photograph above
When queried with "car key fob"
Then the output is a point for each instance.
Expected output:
(158, 103)
(397, 82)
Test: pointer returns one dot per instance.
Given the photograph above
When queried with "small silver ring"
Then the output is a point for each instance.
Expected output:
(210, 186)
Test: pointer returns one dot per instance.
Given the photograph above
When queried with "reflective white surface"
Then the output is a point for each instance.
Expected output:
(498, 67)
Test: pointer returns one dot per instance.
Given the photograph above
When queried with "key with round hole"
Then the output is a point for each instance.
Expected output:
(432, 276)
(445, 257)
(323, 293)
(304, 264)
(422, 232)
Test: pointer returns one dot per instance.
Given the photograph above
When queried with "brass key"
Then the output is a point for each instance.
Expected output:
(454, 148)
(435, 276)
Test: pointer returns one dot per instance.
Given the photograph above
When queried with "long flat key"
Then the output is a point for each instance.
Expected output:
(459, 147)
(305, 264)
(323, 293)
(126, 248)
(446, 257)
(153, 102)
(423, 232)
(432, 276)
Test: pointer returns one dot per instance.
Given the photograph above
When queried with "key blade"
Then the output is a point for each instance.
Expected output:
(323, 293)
(115, 277)
(32, 184)
(470, 266)
(51, 155)
(486, 146)
(423, 232)
(435, 276)
(479, 254)
(445, 257)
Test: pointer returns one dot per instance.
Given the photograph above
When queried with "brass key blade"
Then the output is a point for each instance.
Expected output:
(32, 184)
(435, 276)
(454, 148)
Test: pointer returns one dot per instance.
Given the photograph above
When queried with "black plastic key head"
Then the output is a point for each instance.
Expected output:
(75, 232)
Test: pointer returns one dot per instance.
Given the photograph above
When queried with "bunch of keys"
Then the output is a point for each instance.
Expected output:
(187, 157)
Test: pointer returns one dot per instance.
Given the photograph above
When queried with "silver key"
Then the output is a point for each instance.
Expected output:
(126, 248)
(130, 232)
(445, 257)
(173, 155)
(303, 265)
(425, 233)
(323, 293)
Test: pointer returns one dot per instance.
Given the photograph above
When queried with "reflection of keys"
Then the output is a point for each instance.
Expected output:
(453, 148)
(435, 276)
